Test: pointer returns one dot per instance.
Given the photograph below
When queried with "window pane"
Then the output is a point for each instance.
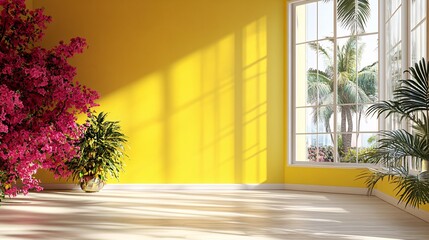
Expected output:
(326, 19)
(346, 118)
(306, 20)
(392, 6)
(393, 122)
(345, 28)
(423, 39)
(306, 147)
(372, 22)
(366, 142)
(326, 119)
(415, 46)
(347, 148)
(368, 47)
(366, 123)
(346, 71)
(368, 84)
(306, 76)
(326, 74)
(325, 148)
(387, 38)
(418, 11)
(418, 43)
(314, 148)
(300, 76)
(414, 10)
(306, 120)
(367, 77)
(394, 62)
(397, 62)
(342, 31)
(394, 26)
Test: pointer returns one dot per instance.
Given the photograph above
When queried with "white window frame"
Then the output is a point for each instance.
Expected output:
(291, 108)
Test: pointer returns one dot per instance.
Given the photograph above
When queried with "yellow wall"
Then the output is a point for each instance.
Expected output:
(196, 84)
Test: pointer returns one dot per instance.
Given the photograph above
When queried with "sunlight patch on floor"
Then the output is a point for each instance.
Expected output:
(205, 215)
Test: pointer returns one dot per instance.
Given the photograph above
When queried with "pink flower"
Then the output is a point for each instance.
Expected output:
(34, 72)
(39, 99)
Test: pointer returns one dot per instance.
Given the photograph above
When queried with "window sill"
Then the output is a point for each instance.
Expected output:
(331, 165)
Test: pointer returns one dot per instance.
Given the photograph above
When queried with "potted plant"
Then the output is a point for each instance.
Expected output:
(3, 186)
(401, 151)
(101, 149)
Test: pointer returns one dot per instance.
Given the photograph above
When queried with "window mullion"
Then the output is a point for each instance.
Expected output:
(382, 50)
(405, 60)
(334, 104)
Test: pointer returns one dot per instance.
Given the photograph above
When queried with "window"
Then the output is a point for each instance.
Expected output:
(339, 65)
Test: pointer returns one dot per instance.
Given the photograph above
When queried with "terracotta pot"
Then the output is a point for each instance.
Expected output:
(91, 184)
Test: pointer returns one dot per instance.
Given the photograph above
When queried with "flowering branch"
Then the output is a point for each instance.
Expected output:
(39, 100)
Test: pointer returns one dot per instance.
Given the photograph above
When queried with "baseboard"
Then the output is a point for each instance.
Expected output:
(422, 214)
(296, 187)
(172, 186)
(326, 189)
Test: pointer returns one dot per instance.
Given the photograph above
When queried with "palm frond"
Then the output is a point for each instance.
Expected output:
(412, 190)
(347, 55)
(399, 144)
(398, 148)
(389, 107)
(413, 94)
(372, 177)
(353, 16)
(325, 52)
(421, 127)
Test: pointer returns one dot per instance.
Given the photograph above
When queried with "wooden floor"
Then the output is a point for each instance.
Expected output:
(205, 215)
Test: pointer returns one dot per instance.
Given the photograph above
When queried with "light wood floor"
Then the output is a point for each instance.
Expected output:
(205, 215)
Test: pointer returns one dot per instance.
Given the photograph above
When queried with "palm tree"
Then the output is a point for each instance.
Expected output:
(400, 150)
(351, 87)
(353, 15)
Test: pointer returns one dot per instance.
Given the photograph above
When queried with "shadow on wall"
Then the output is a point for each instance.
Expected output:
(197, 85)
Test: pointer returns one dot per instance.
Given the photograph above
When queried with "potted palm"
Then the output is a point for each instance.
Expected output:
(101, 149)
(400, 152)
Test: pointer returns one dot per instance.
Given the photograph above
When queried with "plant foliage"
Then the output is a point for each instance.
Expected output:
(353, 14)
(101, 150)
(400, 150)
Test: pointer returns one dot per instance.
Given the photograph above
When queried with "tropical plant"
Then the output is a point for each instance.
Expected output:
(401, 150)
(351, 87)
(101, 150)
(353, 15)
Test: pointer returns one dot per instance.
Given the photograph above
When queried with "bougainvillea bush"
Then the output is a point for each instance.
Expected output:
(39, 100)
